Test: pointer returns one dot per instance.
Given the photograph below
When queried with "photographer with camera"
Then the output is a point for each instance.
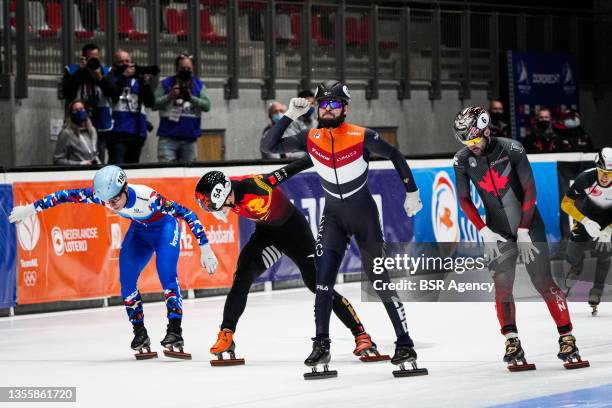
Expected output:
(133, 91)
(180, 100)
(89, 82)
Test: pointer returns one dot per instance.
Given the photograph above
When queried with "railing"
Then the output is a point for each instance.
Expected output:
(304, 41)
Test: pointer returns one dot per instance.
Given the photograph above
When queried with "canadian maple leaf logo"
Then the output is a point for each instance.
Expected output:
(493, 182)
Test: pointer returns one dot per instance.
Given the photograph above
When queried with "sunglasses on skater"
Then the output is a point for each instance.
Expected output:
(603, 172)
(115, 199)
(331, 103)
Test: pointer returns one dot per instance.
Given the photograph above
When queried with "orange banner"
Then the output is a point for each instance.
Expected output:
(71, 251)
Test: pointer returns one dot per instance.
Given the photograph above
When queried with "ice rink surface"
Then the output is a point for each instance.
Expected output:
(459, 343)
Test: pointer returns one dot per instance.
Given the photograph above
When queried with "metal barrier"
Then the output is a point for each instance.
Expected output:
(270, 40)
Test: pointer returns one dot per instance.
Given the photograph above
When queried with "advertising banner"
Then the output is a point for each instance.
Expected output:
(72, 250)
(8, 250)
(536, 80)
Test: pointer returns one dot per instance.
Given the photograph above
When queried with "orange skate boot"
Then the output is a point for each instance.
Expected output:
(225, 344)
(366, 349)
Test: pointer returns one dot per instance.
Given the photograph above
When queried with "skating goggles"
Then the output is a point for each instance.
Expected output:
(334, 104)
(472, 142)
(604, 172)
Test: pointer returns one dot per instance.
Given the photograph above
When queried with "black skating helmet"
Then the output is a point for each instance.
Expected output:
(212, 190)
(471, 123)
(332, 89)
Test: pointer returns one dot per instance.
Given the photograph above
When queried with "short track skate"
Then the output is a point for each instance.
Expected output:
(367, 351)
(403, 355)
(320, 356)
(568, 352)
(515, 356)
(142, 342)
(173, 342)
(231, 361)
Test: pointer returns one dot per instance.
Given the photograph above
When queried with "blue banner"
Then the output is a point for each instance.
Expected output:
(440, 220)
(8, 250)
(537, 80)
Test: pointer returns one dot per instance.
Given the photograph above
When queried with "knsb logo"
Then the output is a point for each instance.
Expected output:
(444, 212)
(57, 238)
(28, 232)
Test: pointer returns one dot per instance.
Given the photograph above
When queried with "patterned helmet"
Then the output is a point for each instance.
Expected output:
(603, 160)
(332, 89)
(108, 182)
(471, 123)
(212, 190)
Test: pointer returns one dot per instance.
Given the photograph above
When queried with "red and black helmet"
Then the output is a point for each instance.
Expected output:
(212, 190)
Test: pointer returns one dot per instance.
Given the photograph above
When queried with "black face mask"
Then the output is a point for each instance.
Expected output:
(184, 75)
(543, 124)
(496, 116)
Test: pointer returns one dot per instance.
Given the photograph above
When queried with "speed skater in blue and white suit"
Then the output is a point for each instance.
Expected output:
(154, 229)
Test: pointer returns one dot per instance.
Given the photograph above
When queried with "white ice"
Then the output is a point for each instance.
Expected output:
(459, 343)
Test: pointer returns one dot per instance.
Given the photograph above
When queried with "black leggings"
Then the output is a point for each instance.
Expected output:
(264, 248)
(580, 242)
(358, 217)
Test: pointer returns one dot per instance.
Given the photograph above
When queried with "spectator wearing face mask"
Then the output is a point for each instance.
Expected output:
(180, 99)
(276, 110)
(543, 138)
(572, 133)
(76, 143)
(498, 127)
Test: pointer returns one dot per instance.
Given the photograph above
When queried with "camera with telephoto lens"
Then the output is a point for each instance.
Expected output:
(140, 71)
(93, 64)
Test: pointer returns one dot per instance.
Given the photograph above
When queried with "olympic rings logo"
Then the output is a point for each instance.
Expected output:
(29, 278)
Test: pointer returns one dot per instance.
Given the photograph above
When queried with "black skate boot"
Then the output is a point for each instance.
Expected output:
(174, 339)
(568, 352)
(594, 300)
(571, 278)
(320, 355)
(515, 356)
(142, 342)
(406, 354)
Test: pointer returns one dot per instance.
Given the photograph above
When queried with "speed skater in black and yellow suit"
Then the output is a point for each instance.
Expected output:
(280, 229)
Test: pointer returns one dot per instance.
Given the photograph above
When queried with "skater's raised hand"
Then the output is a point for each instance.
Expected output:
(526, 248)
(297, 108)
(604, 243)
(490, 239)
(591, 227)
(21, 212)
(412, 203)
(208, 259)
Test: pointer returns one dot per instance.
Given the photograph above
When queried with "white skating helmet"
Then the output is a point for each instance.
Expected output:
(108, 182)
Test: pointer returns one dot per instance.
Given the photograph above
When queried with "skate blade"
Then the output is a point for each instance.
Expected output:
(227, 362)
(177, 354)
(576, 364)
(410, 373)
(374, 358)
(146, 356)
(521, 367)
(320, 375)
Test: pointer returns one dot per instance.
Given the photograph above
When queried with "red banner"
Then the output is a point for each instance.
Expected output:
(72, 251)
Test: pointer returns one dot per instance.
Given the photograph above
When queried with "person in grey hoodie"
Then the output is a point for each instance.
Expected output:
(76, 143)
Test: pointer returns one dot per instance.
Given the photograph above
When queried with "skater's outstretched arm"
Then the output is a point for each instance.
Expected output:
(165, 206)
(462, 181)
(283, 174)
(525, 174)
(208, 259)
(374, 144)
(79, 195)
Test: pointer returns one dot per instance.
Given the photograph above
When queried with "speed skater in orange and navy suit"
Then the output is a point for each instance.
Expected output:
(340, 153)
(502, 175)
(280, 229)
